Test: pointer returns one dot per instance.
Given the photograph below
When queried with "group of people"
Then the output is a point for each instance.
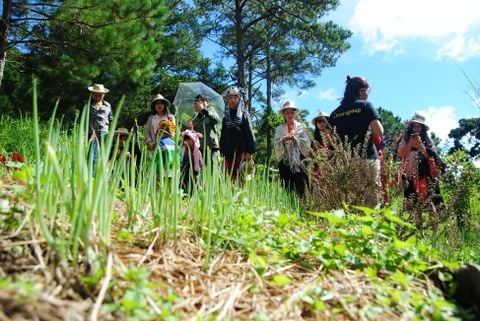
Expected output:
(351, 122)
(201, 140)
(355, 121)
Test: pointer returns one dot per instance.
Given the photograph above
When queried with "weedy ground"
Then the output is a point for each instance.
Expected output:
(126, 244)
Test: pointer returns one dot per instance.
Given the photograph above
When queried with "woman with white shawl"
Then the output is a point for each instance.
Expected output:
(292, 145)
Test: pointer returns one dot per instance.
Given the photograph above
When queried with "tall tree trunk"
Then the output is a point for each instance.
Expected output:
(240, 32)
(2, 66)
(268, 111)
(4, 30)
(250, 84)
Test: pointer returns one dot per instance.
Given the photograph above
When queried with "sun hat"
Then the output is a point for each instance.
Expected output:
(320, 115)
(122, 131)
(98, 88)
(419, 119)
(161, 98)
(289, 105)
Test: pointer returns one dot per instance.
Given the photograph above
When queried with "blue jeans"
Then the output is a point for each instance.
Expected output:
(96, 143)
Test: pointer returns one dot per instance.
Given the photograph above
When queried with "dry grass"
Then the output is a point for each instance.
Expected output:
(230, 288)
(42, 288)
(341, 177)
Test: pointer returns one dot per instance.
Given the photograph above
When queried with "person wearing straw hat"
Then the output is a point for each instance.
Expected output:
(237, 141)
(421, 166)
(120, 145)
(322, 134)
(292, 145)
(160, 107)
(101, 116)
(121, 134)
(322, 144)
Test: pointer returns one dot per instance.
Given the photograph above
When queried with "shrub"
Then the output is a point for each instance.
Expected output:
(342, 176)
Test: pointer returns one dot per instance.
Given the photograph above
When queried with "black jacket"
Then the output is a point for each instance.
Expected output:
(237, 139)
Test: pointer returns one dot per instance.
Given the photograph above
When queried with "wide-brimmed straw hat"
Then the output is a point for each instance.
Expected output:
(289, 105)
(419, 119)
(320, 115)
(161, 98)
(98, 88)
(122, 132)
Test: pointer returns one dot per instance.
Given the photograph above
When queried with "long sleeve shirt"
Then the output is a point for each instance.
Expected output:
(101, 116)
(152, 125)
(237, 139)
(205, 123)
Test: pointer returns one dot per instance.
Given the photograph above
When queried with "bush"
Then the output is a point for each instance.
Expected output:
(339, 177)
(461, 185)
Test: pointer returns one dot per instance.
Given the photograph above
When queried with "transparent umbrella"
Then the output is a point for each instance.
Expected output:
(186, 93)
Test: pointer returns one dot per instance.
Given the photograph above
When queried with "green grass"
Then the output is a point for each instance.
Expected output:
(73, 211)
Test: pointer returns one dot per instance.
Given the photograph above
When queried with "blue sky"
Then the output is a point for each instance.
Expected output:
(413, 52)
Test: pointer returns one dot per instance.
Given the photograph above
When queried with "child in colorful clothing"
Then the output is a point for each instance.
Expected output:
(192, 160)
(166, 146)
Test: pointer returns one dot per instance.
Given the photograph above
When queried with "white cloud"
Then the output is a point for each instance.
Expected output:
(440, 120)
(386, 25)
(460, 48)
(327, 94)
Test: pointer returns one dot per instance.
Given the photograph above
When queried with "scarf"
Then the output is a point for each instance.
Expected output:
(292, 157)
(238, 119)
(292, 152)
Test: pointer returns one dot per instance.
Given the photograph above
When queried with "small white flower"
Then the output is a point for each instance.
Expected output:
(4, 205)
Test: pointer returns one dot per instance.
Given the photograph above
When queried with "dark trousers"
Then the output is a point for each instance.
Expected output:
(292, 181)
